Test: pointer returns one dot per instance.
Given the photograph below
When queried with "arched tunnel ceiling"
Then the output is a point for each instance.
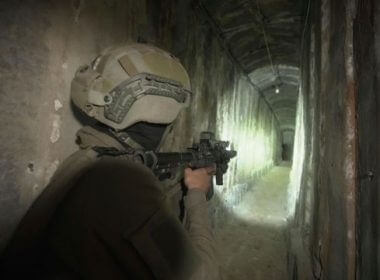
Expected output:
(283, 103)
(248, 29)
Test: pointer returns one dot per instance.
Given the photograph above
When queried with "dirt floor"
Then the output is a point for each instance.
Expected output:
(253, 245)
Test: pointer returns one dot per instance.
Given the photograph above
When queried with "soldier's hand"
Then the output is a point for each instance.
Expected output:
(199, 178)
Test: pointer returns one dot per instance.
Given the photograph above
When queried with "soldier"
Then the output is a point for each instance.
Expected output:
(105, 215)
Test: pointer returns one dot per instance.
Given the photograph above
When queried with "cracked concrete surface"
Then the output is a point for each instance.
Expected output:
(252, 244)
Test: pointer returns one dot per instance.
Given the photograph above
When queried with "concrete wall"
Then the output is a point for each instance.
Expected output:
(375, 204)
(43, 43)
(303, 264)
(336, 224)
(367, 49)
(325, 214)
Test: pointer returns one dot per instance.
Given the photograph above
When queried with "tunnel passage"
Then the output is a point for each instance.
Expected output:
(280, 89)
(264, 39)
(237, 54)
(277, 84)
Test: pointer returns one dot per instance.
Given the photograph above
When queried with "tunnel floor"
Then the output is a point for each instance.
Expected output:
(253, 244)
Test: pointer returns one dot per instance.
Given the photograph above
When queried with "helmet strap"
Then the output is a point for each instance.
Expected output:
(126, 140)
(163, 138)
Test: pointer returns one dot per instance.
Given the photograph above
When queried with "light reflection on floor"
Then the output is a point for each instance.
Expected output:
(253, 244)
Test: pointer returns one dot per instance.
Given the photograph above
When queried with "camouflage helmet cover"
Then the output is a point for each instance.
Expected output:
(130, 84)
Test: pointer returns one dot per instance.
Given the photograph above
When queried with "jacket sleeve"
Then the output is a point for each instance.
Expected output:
(200, 232)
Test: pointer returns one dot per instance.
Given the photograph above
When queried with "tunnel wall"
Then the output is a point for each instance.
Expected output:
(367, 57)
(43, 43)
(375, 205)
(306, 157)
(336, 221)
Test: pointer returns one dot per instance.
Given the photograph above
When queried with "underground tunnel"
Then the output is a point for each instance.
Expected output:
(291, 84)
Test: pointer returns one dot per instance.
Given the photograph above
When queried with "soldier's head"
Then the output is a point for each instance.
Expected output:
(132, 88)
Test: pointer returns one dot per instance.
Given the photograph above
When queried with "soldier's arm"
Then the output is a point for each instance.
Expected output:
(198, 223)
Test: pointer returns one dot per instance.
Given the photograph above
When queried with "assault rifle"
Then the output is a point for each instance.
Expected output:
(207, 152)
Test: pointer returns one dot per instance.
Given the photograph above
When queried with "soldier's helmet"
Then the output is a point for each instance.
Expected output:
(130, 84)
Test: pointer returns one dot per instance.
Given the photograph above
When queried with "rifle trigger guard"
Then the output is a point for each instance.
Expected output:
(149, 159)
(152, 159)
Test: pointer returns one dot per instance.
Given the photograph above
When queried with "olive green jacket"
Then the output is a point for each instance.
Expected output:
(138, 225)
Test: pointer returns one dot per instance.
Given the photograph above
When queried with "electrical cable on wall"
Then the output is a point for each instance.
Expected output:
(305, 26)
(275, 70)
